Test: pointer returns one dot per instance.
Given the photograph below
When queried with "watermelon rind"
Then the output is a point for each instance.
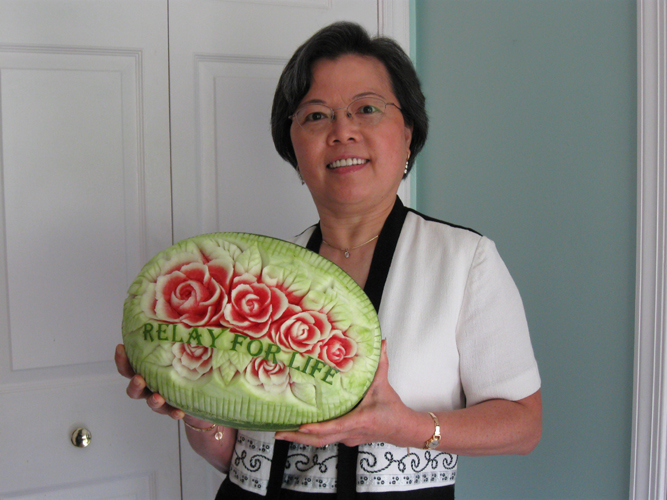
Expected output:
(309, 354)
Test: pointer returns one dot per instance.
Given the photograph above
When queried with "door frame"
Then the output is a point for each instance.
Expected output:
(649, 429)
(394, 22)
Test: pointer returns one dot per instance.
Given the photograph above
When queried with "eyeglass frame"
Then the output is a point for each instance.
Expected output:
(349, 115)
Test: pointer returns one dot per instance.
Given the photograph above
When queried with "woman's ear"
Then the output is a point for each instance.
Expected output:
(408, 138)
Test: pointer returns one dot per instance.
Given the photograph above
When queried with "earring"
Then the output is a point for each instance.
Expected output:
(407, 163)
(298, 173)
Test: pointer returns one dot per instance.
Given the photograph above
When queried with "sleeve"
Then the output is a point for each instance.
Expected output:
(496, 355)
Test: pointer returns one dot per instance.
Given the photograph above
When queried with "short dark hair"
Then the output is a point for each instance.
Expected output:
(331, 42)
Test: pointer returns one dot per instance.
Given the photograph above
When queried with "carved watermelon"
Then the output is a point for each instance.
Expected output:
(251, 332)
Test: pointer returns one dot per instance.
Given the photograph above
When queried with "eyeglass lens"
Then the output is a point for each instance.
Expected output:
(366, 111)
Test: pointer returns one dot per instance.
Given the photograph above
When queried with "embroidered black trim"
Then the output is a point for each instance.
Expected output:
(253, 444)
(254, 462)
(304, 464)
(369, 465)
(245, 478)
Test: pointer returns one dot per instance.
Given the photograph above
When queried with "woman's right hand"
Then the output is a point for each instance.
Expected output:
(217, 452)
(137, 389)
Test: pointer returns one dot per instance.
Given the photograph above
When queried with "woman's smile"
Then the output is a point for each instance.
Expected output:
(347, 162)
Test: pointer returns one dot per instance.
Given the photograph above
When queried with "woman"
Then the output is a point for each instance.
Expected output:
(349, 115)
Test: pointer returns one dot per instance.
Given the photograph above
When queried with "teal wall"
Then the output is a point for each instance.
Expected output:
(533, 143)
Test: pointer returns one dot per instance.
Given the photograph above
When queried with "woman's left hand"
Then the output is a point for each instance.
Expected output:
(492, 427)
(380, 417)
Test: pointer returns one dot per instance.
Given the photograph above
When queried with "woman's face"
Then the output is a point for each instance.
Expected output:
(379, 151)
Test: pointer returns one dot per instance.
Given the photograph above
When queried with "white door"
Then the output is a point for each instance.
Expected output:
(85, 201)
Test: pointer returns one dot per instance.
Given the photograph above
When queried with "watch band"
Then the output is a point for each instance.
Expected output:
(434, 440)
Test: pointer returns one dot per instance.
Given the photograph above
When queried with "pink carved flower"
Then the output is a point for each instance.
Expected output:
(253, 306)
(193, 294)
(273, 376)
(301, 331)
(339, 351)
(190, 361)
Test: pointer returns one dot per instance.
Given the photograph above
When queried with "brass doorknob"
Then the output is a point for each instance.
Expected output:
(81, 437)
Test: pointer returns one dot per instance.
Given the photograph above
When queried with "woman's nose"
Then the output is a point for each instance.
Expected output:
(343, 127)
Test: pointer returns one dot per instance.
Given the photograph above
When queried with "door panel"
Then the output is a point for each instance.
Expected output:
(85, 201)
(245, 186)
(62, 121)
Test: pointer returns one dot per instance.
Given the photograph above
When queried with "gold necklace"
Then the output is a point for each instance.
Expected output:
(346, 251)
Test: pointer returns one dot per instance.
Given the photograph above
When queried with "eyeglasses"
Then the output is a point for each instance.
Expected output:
(365, 112)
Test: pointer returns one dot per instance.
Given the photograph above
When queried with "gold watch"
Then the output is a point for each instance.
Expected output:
(434, 440)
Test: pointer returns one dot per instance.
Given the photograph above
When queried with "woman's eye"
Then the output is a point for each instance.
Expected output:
(315, 116)
(368, 109)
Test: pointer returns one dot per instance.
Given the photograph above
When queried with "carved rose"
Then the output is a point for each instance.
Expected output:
(273, 376)
(301, 331)
(253, 306)
(191, 362)
(193, 294)
(339, 351)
